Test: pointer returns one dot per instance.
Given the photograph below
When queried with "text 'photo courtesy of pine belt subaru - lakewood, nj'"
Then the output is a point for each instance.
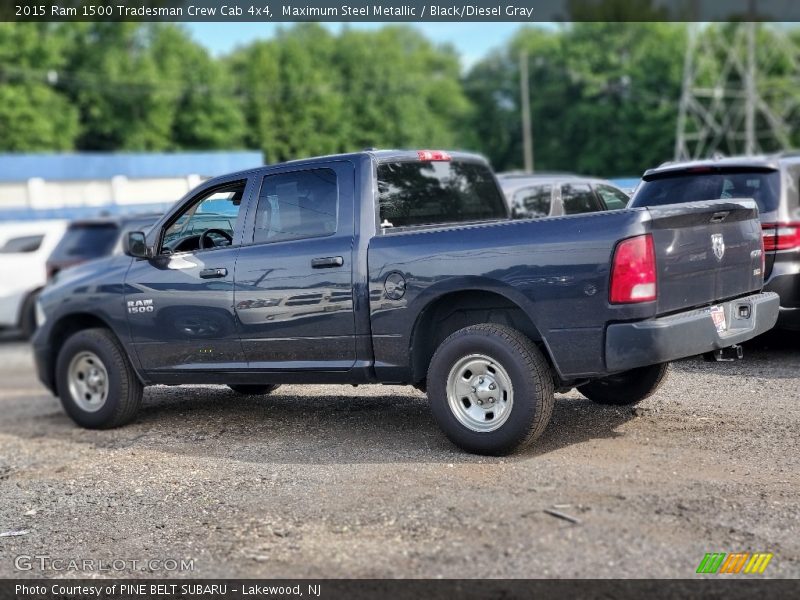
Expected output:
(403, 267)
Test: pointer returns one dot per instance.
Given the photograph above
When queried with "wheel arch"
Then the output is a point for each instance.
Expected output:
(449, 311)
(70, 324)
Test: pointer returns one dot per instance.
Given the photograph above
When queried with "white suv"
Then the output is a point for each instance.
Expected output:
(24, 249)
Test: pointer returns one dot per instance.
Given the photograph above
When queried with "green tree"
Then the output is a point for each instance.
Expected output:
(204, 111)
(309, 91)
(604, 97)
(34, 116)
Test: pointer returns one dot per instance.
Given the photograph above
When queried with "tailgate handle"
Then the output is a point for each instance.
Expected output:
(719, 217)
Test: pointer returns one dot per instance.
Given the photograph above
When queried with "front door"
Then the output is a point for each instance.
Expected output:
(294, 293)
(180, 303)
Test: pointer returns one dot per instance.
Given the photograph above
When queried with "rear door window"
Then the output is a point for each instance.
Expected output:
(437, 192)
(761, 186)
(22, 245)
(613, 198)
(532, 202)
(297, 205)
(579, 198)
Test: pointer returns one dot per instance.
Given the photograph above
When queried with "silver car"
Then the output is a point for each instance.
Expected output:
(533, 196)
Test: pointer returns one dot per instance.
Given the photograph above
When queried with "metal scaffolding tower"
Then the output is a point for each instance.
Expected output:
(738, 97)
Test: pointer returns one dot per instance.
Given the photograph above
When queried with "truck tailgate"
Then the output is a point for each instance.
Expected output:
(706, 252)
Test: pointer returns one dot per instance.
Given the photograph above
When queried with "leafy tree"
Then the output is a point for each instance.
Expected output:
(309, 91)
(604, 97)
(34, 116)
(205, 112)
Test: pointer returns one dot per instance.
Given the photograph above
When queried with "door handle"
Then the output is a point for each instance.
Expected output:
(213, 273)
(327, 262)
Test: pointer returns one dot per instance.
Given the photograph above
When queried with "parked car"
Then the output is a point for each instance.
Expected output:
(533, 196)
(772, 181)
(24, 248)
(88, 239)
(403, 267)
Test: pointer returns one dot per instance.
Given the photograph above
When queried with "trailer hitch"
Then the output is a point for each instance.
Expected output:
(731, 353)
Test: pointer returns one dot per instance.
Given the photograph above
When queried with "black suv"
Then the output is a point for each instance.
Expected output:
(772, 181)
(87, 239)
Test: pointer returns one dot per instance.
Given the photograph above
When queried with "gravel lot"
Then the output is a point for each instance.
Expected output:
(334, 481)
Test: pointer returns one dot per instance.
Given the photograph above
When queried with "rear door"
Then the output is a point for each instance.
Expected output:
(706, 252)
(294, 292)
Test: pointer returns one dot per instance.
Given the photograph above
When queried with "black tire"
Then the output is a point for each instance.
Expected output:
(254, 390)
(626, 388)
(528, 372)
(27, 317)
(124, 394)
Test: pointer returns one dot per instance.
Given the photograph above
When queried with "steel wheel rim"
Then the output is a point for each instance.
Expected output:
(87, 378)
(480, 393)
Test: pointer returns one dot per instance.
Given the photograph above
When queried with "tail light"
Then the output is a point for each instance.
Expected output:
(781, 236)
(633, 271)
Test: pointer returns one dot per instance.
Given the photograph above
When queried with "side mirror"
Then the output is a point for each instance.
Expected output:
(135, 244)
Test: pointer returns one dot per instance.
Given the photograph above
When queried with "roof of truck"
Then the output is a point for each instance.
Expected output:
(380, 156)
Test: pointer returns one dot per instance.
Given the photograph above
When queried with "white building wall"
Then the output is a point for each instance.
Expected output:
(39, 193)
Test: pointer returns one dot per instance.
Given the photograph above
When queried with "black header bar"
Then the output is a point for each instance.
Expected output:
(520, 11)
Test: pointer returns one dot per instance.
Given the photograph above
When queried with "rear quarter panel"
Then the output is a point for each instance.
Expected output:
(555, 269)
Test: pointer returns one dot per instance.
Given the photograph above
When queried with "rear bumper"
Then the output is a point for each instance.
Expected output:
(632, 345)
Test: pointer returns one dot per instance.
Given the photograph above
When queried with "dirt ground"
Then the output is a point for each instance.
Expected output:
(334, 481)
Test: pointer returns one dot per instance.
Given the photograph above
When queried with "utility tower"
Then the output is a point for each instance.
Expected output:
(738, 95)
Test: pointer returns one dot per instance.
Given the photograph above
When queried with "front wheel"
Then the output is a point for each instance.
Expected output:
(253, 390)
(490, 389)
(96, 382)
(629, 387)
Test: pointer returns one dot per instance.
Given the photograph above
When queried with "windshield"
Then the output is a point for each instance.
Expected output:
(436, 192)
(86, 241)
(761, 186)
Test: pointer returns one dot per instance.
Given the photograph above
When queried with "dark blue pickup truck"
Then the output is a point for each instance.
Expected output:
(403, 267)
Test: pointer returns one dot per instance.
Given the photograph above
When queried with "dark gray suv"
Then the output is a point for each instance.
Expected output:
(772, 181)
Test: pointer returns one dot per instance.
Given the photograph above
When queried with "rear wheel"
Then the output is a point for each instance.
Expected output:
(253, 390)
(96, 382)
(626, 388)
(490, 389)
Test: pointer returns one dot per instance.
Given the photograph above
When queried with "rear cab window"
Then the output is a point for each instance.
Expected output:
(762, 185)
(438, 192)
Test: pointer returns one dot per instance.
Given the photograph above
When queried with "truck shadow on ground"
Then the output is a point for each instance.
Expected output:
(300, 429)
(338, 428)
